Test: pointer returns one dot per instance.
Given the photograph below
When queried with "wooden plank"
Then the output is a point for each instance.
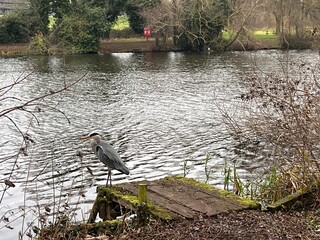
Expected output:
(214, 199)
(295, 200)
(217, 201)
(213, 196)
(163, 202)
(178, 209)
(183, 198)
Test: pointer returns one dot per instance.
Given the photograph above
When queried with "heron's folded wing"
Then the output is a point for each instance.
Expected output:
(110, 157)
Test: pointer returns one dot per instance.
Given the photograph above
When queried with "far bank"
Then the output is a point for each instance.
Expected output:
(136, 45)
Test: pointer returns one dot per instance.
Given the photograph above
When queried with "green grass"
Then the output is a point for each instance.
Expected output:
(265, 34)
(122, 23)
(259, 34)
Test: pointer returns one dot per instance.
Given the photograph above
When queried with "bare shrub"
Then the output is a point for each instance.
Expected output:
(283, 111)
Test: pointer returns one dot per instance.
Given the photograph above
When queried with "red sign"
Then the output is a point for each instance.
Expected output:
(147, 32)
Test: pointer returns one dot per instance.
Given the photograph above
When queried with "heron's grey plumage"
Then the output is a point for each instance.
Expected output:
(110, 157)
(107, 154)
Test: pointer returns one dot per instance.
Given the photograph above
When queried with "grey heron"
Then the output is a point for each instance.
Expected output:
(106, 154)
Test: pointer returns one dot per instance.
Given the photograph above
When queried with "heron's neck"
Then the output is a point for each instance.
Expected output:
(94, 141)
(94, 145)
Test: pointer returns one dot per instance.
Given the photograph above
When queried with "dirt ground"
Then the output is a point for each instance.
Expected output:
(248, 224)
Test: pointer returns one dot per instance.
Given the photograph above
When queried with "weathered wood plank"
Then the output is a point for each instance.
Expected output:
(232, 200)
(183, 198)
(296, 200)
(198, 201)
(176, 208)
(162, 201)
(213, 198)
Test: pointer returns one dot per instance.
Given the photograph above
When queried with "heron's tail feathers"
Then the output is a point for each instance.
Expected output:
(124, 170)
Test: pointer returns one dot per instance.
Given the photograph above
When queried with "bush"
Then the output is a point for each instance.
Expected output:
(82, 31)
(14, 29)
(73, 33)
(38, 45)
(283, 113)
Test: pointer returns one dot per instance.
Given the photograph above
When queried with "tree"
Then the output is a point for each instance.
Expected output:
(242, 20)
(41, 9)
(202, 22)
(134, 9)
(278, 10)
(86, 23)
(136, 21)
(295, 21)
(60, 8)
(160, 19)
(195, 23)
(82, 30)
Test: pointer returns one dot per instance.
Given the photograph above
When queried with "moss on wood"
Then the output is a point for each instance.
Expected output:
(297, 200)
(242, 201)
(129, 201)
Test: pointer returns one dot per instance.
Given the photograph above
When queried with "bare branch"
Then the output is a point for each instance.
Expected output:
(50, 93)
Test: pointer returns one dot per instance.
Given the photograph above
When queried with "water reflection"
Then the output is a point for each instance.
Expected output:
(157, 109)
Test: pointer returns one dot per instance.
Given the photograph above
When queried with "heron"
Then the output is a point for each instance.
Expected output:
(106, 154)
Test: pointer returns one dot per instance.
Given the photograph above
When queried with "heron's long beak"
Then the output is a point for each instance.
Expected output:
(84, 138)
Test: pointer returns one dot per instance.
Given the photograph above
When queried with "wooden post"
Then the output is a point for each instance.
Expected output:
(142, 193)
(142, 208)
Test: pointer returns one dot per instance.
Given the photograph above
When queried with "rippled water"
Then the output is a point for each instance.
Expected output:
(157, 109)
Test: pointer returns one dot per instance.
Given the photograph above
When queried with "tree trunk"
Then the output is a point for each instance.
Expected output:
(278, 24)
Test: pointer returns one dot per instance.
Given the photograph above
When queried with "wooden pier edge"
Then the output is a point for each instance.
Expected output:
(168, 198)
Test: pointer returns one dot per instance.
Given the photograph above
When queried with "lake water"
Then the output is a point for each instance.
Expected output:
(158, 110)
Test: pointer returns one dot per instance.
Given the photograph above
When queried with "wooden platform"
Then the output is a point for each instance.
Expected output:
(175, 197)
(188, 198)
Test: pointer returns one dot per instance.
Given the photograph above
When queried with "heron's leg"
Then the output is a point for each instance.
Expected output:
(109, 173)
(109, 178)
